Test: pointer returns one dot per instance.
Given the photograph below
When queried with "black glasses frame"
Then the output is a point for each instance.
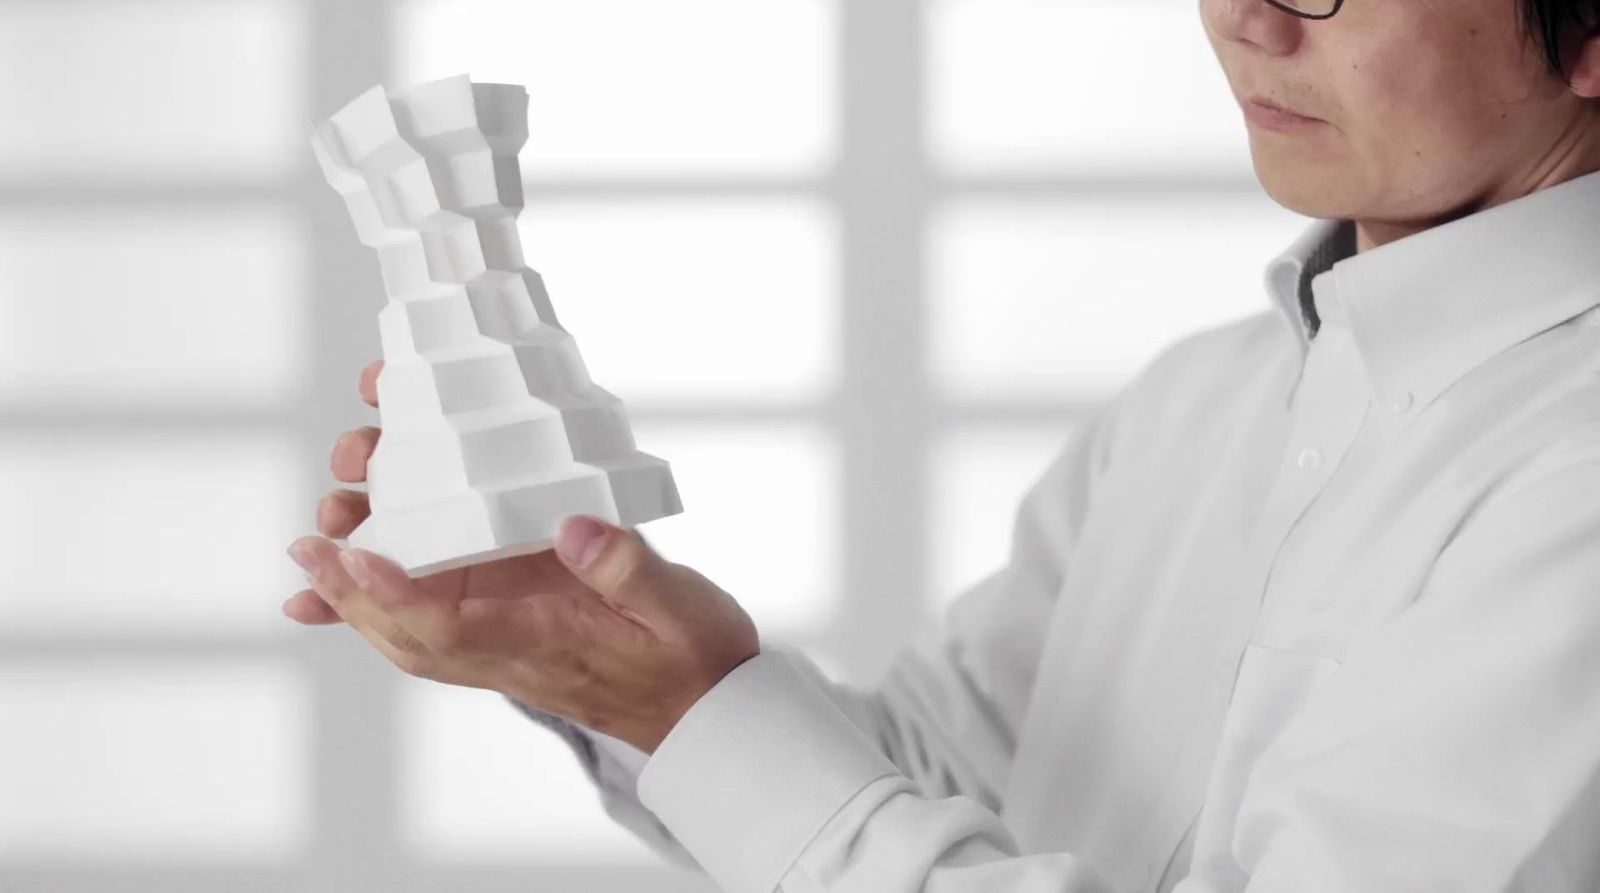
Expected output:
(1306, 15)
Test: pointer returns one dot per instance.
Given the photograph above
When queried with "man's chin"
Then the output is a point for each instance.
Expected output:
(1295, 185)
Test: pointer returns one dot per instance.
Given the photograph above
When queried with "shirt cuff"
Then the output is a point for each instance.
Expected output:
(630, 758)
(754, 769)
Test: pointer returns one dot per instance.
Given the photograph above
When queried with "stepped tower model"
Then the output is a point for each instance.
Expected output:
(492, 429)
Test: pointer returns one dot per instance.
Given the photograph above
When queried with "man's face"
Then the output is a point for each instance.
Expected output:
(1428, 106)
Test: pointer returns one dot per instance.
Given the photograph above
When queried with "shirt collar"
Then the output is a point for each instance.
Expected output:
(1289, 275)
(1426, 309)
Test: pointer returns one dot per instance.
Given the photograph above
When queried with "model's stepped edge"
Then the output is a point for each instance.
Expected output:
(552, 369)
(420, 464)
(493, 430)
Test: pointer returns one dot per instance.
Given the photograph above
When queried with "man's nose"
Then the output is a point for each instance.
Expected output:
(1256, 23)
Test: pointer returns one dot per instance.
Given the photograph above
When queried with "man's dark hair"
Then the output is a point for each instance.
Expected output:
(1554, 24)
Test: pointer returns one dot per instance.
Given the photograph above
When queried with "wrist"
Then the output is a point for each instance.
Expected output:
(649, 736)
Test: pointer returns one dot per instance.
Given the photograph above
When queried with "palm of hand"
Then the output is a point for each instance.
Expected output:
(492, 598)
(528, 627)
(483, 594)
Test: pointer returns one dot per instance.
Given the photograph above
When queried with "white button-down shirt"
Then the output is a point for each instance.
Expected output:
(1313, 604)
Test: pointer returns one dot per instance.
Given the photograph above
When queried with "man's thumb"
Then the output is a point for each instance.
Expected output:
(615, 562)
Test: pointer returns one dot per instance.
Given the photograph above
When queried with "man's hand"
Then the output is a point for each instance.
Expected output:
(601, 630)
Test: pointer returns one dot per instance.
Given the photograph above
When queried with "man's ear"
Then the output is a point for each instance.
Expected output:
(1585, 79)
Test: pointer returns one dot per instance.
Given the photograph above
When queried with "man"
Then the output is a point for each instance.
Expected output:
(1313, 603)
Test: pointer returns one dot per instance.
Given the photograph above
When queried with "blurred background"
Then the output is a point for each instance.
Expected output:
(857, 269)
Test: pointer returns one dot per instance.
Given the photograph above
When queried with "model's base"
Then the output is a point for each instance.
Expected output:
(473, 527)
(477, 558)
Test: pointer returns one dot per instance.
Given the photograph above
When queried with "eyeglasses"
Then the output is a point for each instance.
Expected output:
(1309, 9)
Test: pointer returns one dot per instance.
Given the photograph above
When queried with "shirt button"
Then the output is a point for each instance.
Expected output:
(1310, 458)
(1402, 401)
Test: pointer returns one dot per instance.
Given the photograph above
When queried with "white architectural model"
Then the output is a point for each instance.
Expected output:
(492, 429)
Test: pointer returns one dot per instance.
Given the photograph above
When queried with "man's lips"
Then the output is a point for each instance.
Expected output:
(1267, 103)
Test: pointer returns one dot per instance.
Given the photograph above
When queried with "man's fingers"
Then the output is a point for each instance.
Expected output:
(351, 601)
(307, 607)
(351, 450)
(340, 511)
(368, 383)
(431, 616)
(419, 663)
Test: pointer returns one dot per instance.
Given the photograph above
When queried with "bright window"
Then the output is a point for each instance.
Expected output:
(978, 477)
(175, 761)
(707, 87)
(149, 532)
(154, 308)
(1079, 87)
(1037, 299)
(104, 90)
(693, 299)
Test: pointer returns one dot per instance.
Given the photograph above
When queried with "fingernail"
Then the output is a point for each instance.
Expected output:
(356, 568)
(580, 540)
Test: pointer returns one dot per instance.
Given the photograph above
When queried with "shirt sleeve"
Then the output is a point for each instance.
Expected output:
(948, 711)
(1458, 746)
(772, 787)
(613, 766)
(779, 778)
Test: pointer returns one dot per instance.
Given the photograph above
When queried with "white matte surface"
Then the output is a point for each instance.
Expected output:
(492, 429)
